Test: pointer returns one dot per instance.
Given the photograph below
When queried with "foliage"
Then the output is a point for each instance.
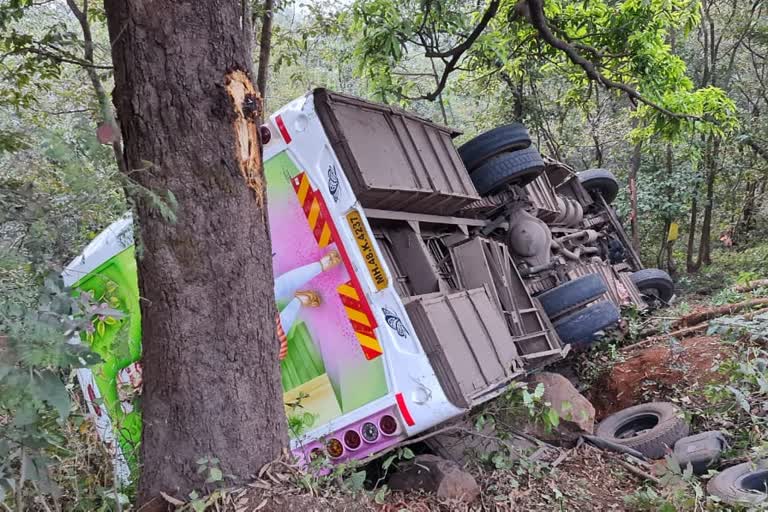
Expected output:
(38, 358)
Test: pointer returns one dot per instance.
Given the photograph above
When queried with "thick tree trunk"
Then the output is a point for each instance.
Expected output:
(210, 352)
(634, 168)
(706, 223)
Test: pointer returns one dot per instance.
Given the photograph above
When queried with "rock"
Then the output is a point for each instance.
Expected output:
(437, 475)
(465, 444)
(577, 415)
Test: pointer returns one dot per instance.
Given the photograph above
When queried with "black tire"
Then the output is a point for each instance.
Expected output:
(600, 180)
(579, 328)
(518, 167)
(509, 137)
(651, 428)
(571, 294)
(741, 484)
(654, 282)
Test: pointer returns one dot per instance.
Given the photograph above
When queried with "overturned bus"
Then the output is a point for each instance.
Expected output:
(414, 280)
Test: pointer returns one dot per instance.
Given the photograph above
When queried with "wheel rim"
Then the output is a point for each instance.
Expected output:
(637, 426)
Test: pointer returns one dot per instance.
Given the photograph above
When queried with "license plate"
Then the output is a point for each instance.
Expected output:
(366, 249)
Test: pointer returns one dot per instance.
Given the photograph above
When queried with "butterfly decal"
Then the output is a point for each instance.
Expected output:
(395, 323)
(333, 182)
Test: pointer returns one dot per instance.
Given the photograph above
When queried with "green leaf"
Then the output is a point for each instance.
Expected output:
(201, 460)
(527, 398)
(553, 418)
(26, 415)
(214, 475)
(408, 453)
(388, 462)
(355, 481)
(51, 389)
(380, 497)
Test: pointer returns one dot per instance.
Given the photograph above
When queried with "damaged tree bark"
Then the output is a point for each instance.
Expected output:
(189, 118)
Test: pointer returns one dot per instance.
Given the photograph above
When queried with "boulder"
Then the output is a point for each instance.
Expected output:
(465, 444)
(577, 415)
(436, 475)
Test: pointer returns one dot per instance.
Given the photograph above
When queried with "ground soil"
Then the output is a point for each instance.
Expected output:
(656, 371)
(583, 478)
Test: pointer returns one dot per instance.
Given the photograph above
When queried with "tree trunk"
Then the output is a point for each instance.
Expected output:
(706, 224)
(265, 48)
(746, 220)
(667, 257)
(691, 265)
(663, 247)
(107, 116)
(210, 351)
(671, 264)
(634, 168)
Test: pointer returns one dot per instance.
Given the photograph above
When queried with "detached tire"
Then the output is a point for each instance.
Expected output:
(600, 180)
(509, 137)
(648, 428)
(654, 282)
(741, 484)
(571, 294)
(579, 328)
(519, 167)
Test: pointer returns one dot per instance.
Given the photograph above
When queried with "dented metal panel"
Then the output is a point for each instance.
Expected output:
(395, 160)
(484, 262)
(467, 341)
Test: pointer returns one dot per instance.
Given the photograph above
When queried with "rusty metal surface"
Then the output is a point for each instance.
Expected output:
(467, 342)
(557, 171)
(395, 160)
(629, 286)
(484, 262)
(542, 195)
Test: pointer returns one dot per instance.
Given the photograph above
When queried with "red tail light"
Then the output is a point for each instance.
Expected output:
(388, 425)
(352, 439)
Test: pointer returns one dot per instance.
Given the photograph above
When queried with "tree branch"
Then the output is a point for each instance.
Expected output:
(107, 114)
(458, 50)
(457, 53)
(539, 22)
(67, 59)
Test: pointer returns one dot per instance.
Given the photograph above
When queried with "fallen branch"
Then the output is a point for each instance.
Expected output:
(752, 285)
(752, 314)
(629, 467)
(728, 309)
(637, 472)
(674, 334)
